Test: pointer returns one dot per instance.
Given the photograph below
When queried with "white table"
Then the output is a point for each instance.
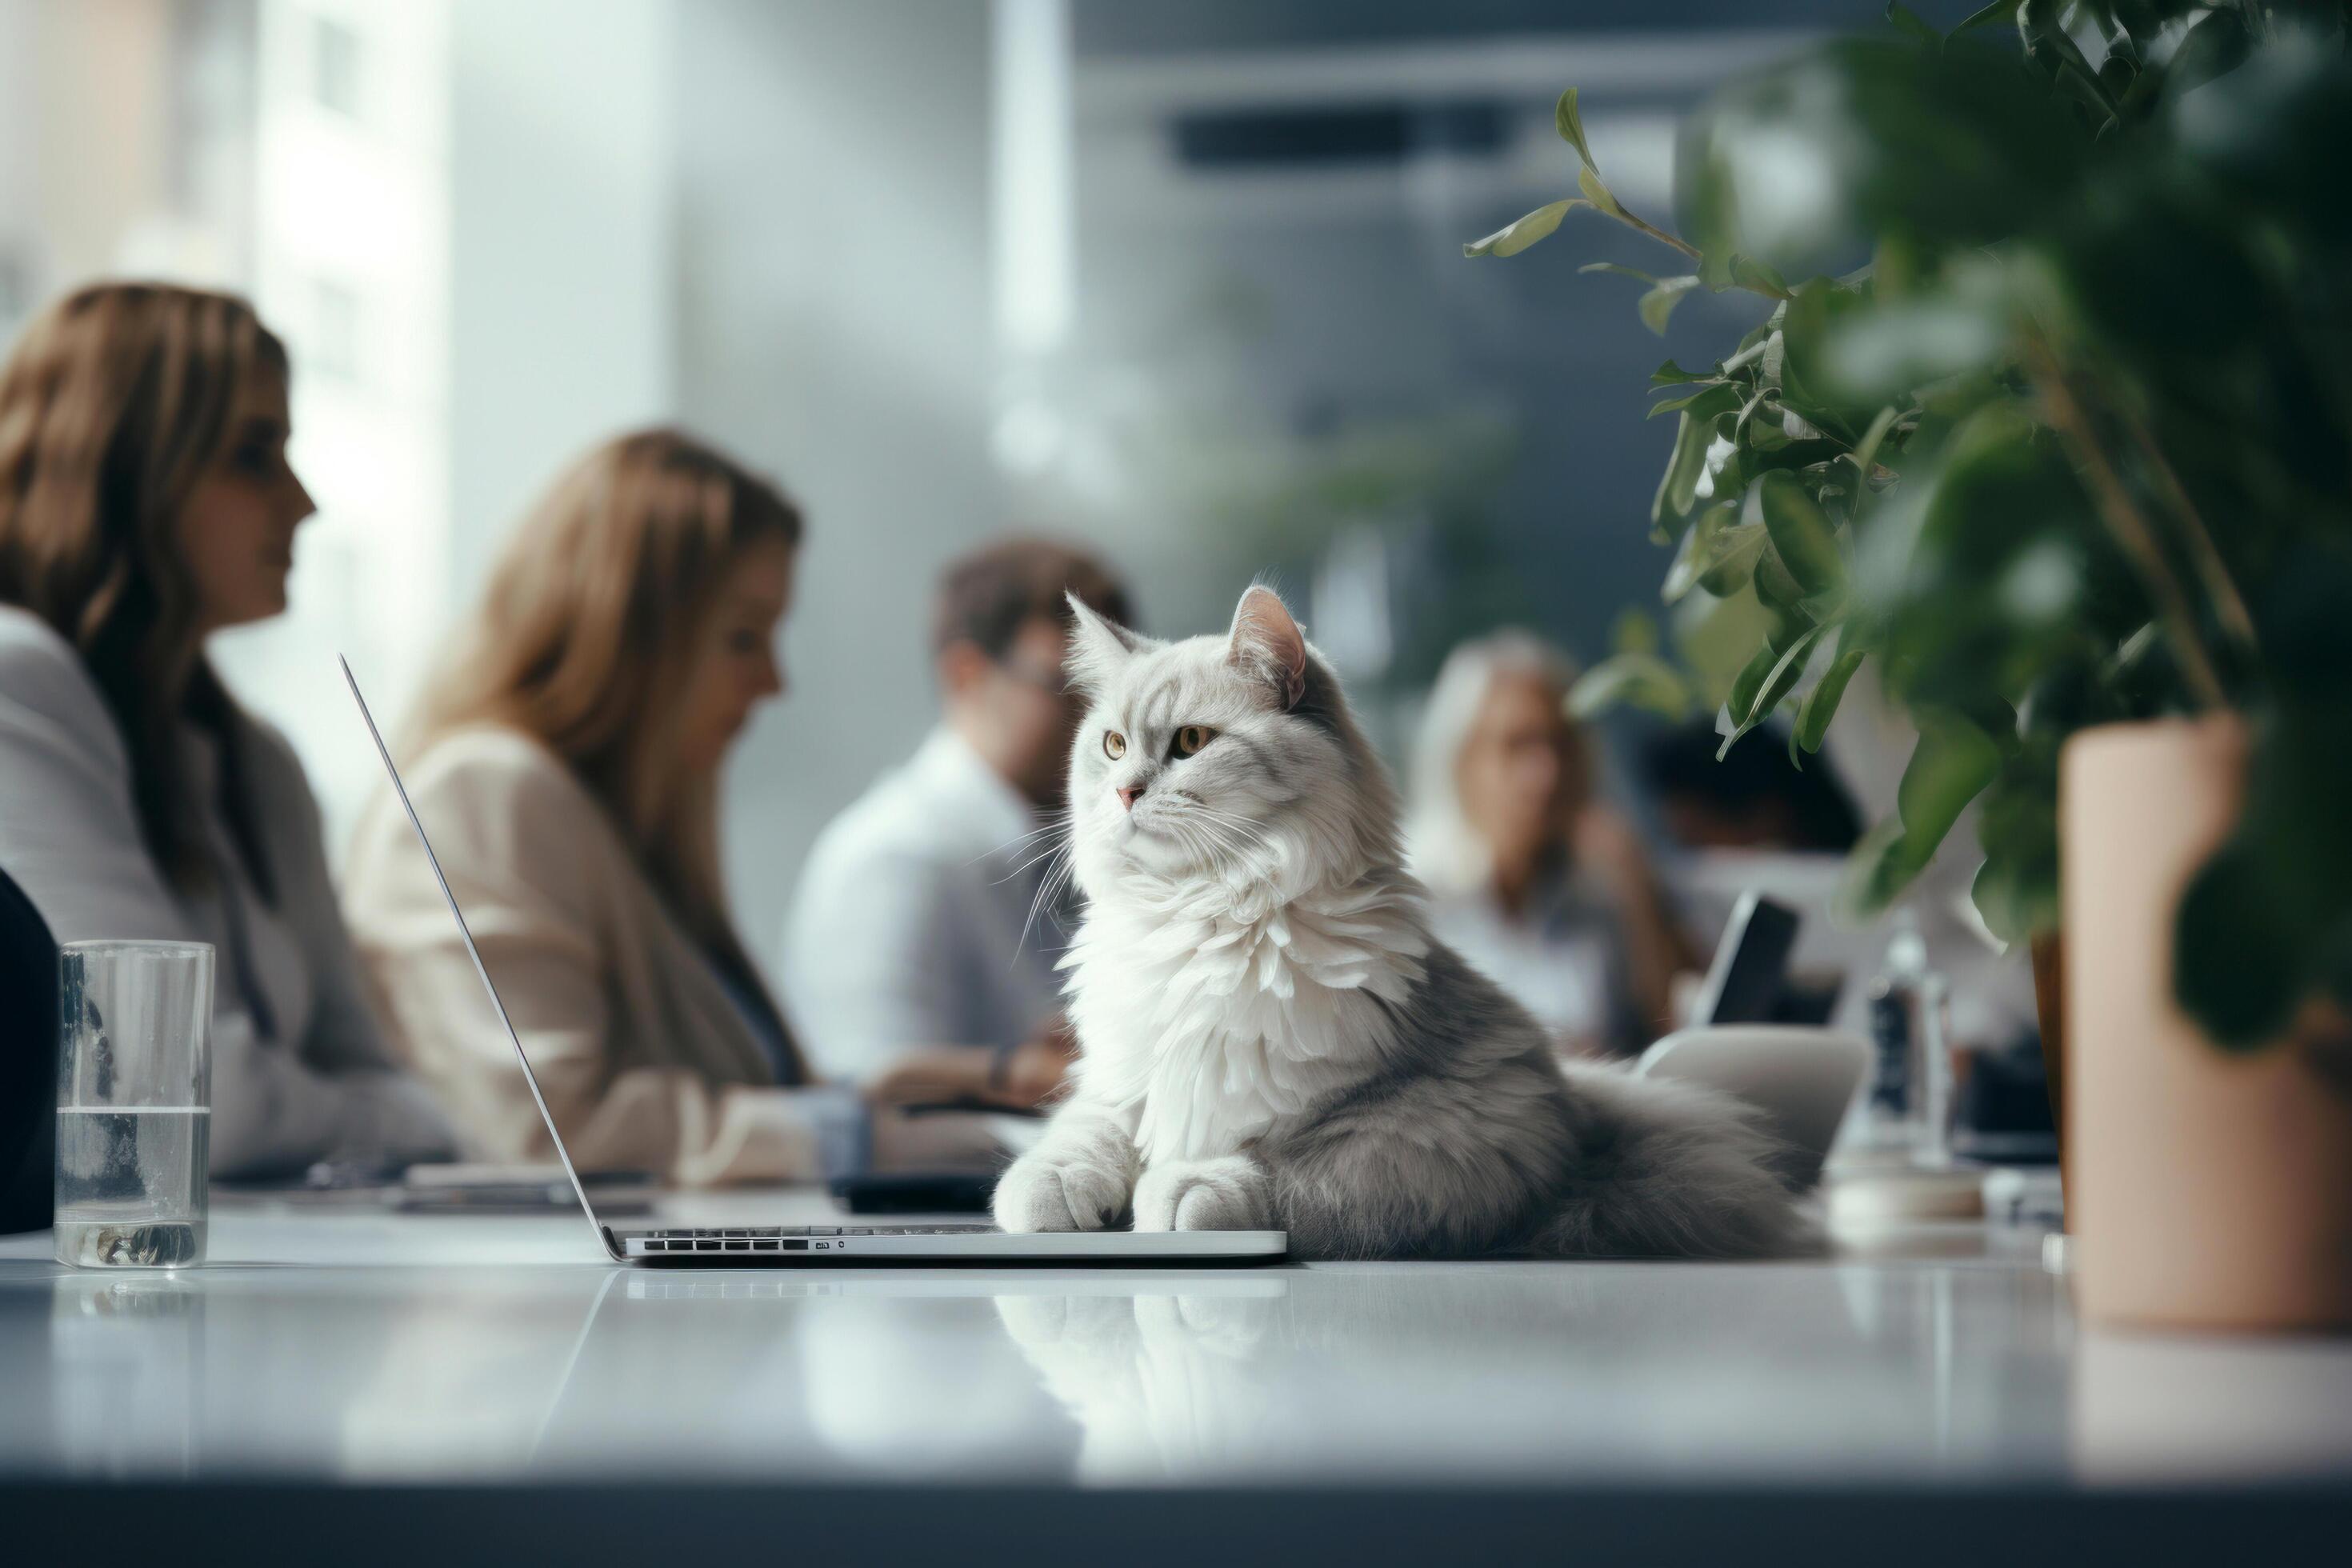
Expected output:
(402, 1380)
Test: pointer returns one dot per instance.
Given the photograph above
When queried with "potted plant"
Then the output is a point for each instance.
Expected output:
(2065, 451)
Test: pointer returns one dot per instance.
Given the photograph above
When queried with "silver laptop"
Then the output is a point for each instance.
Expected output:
(853, 1246)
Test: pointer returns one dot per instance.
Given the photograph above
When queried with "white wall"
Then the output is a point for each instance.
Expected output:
(835, 331)
(562, 186)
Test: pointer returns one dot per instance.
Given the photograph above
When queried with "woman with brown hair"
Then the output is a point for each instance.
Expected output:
(567, 765)
(145, 503)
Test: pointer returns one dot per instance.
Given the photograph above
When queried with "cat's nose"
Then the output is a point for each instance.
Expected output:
(1128, 794)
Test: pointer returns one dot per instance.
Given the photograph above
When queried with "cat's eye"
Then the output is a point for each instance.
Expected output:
(1192, 737)
(1113, 744)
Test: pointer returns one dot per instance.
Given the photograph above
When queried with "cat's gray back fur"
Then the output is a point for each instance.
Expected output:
(1507, 1149)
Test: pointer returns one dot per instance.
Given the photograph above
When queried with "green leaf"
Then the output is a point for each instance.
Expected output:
(1672, 374)
(1801, 533)
(1571, 125)
(2262, 925)
(2015, 906)
(1732, 566)
(1778, 586)
(1659, 304)
(1883, 353)
(2214, 43)
(1952, 763)
(1865, 456)
(1875, 874)
(2016, 892)
(2238, 950)
(1678, 487)
(1603, 198)
(1620, 272)
(1516, 236)
(1820, 704)
(1805, 330)
(1746, 272)
(1656, 305)
(1634, 680)
(1903, 17)
(1826, 608)
(1763, 692)
(1634, 631)
(1717, 397)
(1716, 553)
(1999, 11)
(1741, 702)
(1786, 671)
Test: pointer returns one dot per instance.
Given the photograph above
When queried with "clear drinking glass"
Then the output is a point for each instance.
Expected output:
(134, 1103)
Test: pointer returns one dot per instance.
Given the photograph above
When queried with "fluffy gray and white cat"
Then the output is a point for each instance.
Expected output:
(1271, 1039)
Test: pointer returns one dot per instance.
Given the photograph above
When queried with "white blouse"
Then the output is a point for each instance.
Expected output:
(1561, 957)
(300, 1069)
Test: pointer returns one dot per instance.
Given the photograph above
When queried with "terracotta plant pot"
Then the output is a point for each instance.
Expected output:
(2208, 1189)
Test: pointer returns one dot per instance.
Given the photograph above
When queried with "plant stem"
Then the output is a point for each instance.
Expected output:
(2228, 604)
(2131, 530)
(1661, 235)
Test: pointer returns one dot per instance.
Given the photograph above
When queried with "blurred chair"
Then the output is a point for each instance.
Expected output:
(28, 1062)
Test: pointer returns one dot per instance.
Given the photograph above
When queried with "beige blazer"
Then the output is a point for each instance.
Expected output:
(645, 1060)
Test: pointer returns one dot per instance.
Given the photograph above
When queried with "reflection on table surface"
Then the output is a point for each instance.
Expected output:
(511, 1359)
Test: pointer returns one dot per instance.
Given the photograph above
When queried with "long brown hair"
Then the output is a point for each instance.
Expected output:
(589, 631)
(116, 399)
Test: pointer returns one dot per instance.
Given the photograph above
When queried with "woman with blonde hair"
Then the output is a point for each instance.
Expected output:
(567, 762)
(1532, 877)
(145, 503)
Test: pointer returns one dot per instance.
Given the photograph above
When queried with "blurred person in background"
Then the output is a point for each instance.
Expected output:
(1751, 797)
(920, 952)
(145, 503)
(566, 763)
(1532, 877)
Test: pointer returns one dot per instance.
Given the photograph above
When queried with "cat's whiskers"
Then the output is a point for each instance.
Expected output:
(1056, 825)
(1062, 866)
(1229, 838)
(1047, 853)
(1248, 831)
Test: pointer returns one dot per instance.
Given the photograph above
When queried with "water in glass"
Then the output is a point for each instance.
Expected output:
(131, 1185)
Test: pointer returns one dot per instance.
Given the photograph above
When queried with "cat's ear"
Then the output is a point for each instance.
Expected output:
(1268, 646)
(1098, 645)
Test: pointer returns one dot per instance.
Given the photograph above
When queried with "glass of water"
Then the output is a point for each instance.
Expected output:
(134, 1103)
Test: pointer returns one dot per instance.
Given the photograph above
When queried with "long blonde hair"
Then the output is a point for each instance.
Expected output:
(1448, 854)
(588, 635)
(116, 399)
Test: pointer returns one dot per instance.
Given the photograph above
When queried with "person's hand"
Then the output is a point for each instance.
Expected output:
(1035, 1069)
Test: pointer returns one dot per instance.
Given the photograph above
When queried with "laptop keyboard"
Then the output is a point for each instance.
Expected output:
(784, 1238)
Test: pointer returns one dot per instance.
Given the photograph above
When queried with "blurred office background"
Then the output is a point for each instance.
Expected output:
(1181, 279)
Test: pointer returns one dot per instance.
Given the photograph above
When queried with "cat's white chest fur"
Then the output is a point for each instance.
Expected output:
(1211, 1016)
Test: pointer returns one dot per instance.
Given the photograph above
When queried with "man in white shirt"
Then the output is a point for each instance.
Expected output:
(919, 954)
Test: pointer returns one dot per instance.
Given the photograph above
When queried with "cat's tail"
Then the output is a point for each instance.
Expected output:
(1670, 1170)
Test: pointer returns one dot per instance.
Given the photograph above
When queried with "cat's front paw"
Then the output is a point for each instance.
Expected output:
(1041, 1193)
(1228, 1194)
